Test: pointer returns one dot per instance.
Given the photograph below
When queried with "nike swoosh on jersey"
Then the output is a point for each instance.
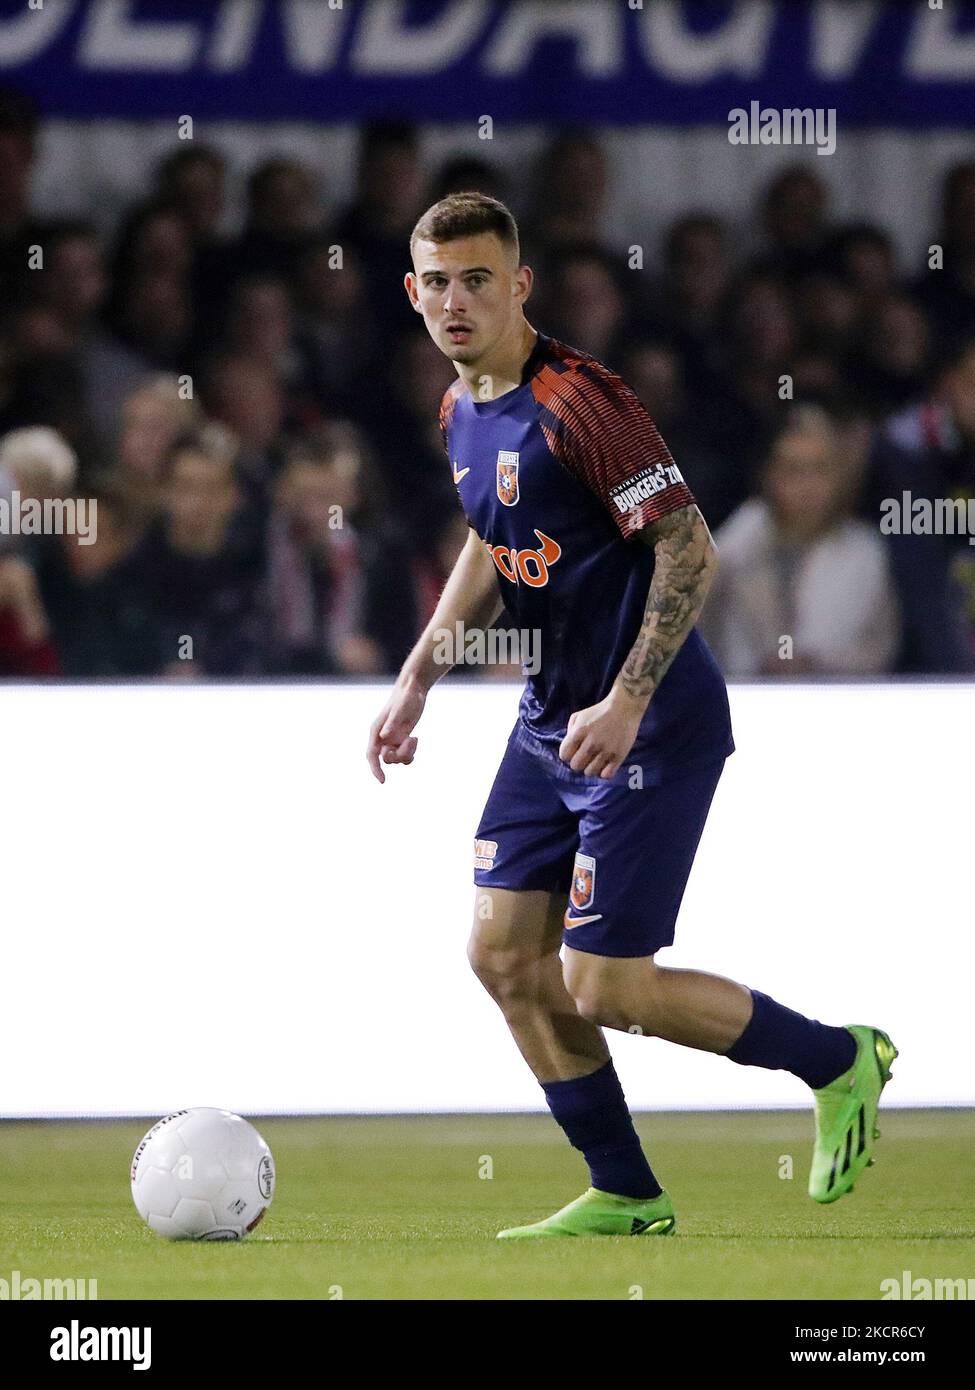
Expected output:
(569, 922)
(462, 474)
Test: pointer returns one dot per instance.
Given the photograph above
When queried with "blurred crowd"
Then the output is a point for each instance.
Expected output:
(256, 413)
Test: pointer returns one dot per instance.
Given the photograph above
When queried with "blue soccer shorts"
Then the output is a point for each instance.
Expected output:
(621, 855)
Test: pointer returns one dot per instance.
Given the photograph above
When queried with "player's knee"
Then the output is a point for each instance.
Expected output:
(599, 1005)
(479, 957)
(508, 976)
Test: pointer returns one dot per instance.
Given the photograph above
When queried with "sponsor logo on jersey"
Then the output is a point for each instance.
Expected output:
(459, 473)
(529, 567)
(484, 852)
(646, 483)
(583, 882)
(507, 477)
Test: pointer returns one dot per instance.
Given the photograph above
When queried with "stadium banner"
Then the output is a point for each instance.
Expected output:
(620, 61)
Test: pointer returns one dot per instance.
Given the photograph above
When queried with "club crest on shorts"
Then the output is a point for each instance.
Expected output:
(507, 477)
(583, 881)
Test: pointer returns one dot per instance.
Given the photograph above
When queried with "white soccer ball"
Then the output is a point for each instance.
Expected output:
(202, 1174)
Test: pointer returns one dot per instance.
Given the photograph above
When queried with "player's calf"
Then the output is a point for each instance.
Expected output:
(623, 994)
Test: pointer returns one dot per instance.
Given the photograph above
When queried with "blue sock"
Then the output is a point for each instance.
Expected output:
(593, 1113)
(782, 1040)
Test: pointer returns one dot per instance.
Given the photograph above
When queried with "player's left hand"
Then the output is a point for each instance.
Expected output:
(597, 739)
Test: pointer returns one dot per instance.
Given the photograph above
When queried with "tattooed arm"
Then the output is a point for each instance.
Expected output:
(599, 738)
(686, 560)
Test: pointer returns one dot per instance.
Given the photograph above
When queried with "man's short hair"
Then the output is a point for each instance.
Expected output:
(467, 214)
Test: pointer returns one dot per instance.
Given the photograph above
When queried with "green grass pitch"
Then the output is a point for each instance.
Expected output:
(402, 1208)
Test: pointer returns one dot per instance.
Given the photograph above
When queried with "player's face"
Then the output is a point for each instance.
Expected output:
(469, 291)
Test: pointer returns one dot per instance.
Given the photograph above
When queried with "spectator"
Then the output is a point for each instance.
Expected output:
(946, 292)
(246, 397)
(571, 182)
(928, 451)
(200, 564)
(44, 380)
(330, 612)
(154, 233)
(334, 330)
(828, 314)
(36, 464)
(466, 174)
(150, 308)
(751, 399)
(156, 314)
(819, 378)
(192, 179)
(261, 328)
(378, 223)
(863, 256)
(802, 588)
(152, 419)
(685, 305)
(26, 648)
(794, 218)
(654, 372)
(585, 303)
(892, 370)
(405, 435)
(283, 215)
(19, 229)
(102, 620)
(72, 286)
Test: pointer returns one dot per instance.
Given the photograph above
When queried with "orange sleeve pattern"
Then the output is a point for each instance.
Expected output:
(596, 427)
(447, 404)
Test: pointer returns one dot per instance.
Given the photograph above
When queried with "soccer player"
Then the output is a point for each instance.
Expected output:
(582, 525)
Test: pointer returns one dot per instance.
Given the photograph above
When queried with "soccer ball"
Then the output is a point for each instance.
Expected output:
(202, 1174)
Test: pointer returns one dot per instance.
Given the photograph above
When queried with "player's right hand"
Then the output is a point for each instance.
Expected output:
(389, 736)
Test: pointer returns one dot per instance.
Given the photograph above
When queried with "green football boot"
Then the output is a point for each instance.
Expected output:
(846, 1116)
(598, 1213)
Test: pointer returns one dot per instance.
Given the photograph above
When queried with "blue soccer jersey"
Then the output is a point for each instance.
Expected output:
(556, 477)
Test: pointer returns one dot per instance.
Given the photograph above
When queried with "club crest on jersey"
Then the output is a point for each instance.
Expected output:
(507, 477)
(583, 881)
